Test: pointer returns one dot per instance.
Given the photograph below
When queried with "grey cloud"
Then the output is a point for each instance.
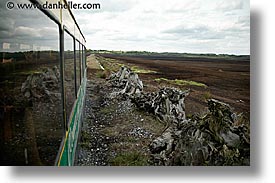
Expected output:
(117, 5)
(229, 5)
(244, 21)
(28, 27)
(7, 24)
(235, 30)
(157, 30)
(165, 37)
(114, 6)
(4, 34)
(200, 32)
(28, 32)
(187, 30)
(131, 38)
(184, 7)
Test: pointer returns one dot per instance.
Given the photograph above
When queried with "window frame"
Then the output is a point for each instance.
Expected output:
(62, 29)
(75, 85)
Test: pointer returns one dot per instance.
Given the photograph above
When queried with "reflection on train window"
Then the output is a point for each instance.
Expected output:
(83, 59)
(80, 60)
(78, 67)
(30, 94)
(85, 56)
(69, 77)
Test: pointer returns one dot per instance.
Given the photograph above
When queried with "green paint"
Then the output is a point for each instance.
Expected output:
(70, 144)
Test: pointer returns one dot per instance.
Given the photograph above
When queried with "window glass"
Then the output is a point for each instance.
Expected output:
(30, 91)
(80, 60)
(78, 67)
(69, 74)
(84, 59)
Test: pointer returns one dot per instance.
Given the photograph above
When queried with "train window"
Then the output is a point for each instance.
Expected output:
(84, 58)
(78, 67)
(31, 127)
(80, 60)
(69, 74)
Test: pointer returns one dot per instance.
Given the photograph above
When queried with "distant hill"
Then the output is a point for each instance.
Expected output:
(167, 55)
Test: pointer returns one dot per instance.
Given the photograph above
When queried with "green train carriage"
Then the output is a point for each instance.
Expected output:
(42, 84)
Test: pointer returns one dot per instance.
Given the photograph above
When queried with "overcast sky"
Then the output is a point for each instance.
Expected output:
(193, 26)
(197, 26)
(24, 30)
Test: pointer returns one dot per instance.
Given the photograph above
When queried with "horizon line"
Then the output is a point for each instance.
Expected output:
(195, 53)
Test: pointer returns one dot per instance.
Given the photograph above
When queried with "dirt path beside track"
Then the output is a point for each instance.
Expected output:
(114, 132)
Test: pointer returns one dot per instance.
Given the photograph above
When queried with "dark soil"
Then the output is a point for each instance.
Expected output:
(114, 132)
(226, 80)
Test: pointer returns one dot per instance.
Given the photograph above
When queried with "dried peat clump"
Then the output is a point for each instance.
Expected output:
(167, 104)
(128, 80)
(208, 140)
(211, 139)
(41, 85)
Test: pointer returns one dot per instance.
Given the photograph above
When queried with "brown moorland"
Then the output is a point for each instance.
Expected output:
(227, 80)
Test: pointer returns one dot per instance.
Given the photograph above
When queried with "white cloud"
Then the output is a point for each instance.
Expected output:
(22, 31)
(27, 29)
(231, 5)
(180, 25)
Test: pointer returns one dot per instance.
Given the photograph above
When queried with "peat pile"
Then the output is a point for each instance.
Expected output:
(127, 80)
(41, 85)
(209, 139)
(167, 104)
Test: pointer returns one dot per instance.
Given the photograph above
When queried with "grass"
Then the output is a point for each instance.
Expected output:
(109, 64)
(102, 74)
(134, 158)
(26, 73)
(108, 110)
(207, 95)
(181, 82)
(114, 65)
(242, 119)
(139, 70)
(85, 140)
(7, 82)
